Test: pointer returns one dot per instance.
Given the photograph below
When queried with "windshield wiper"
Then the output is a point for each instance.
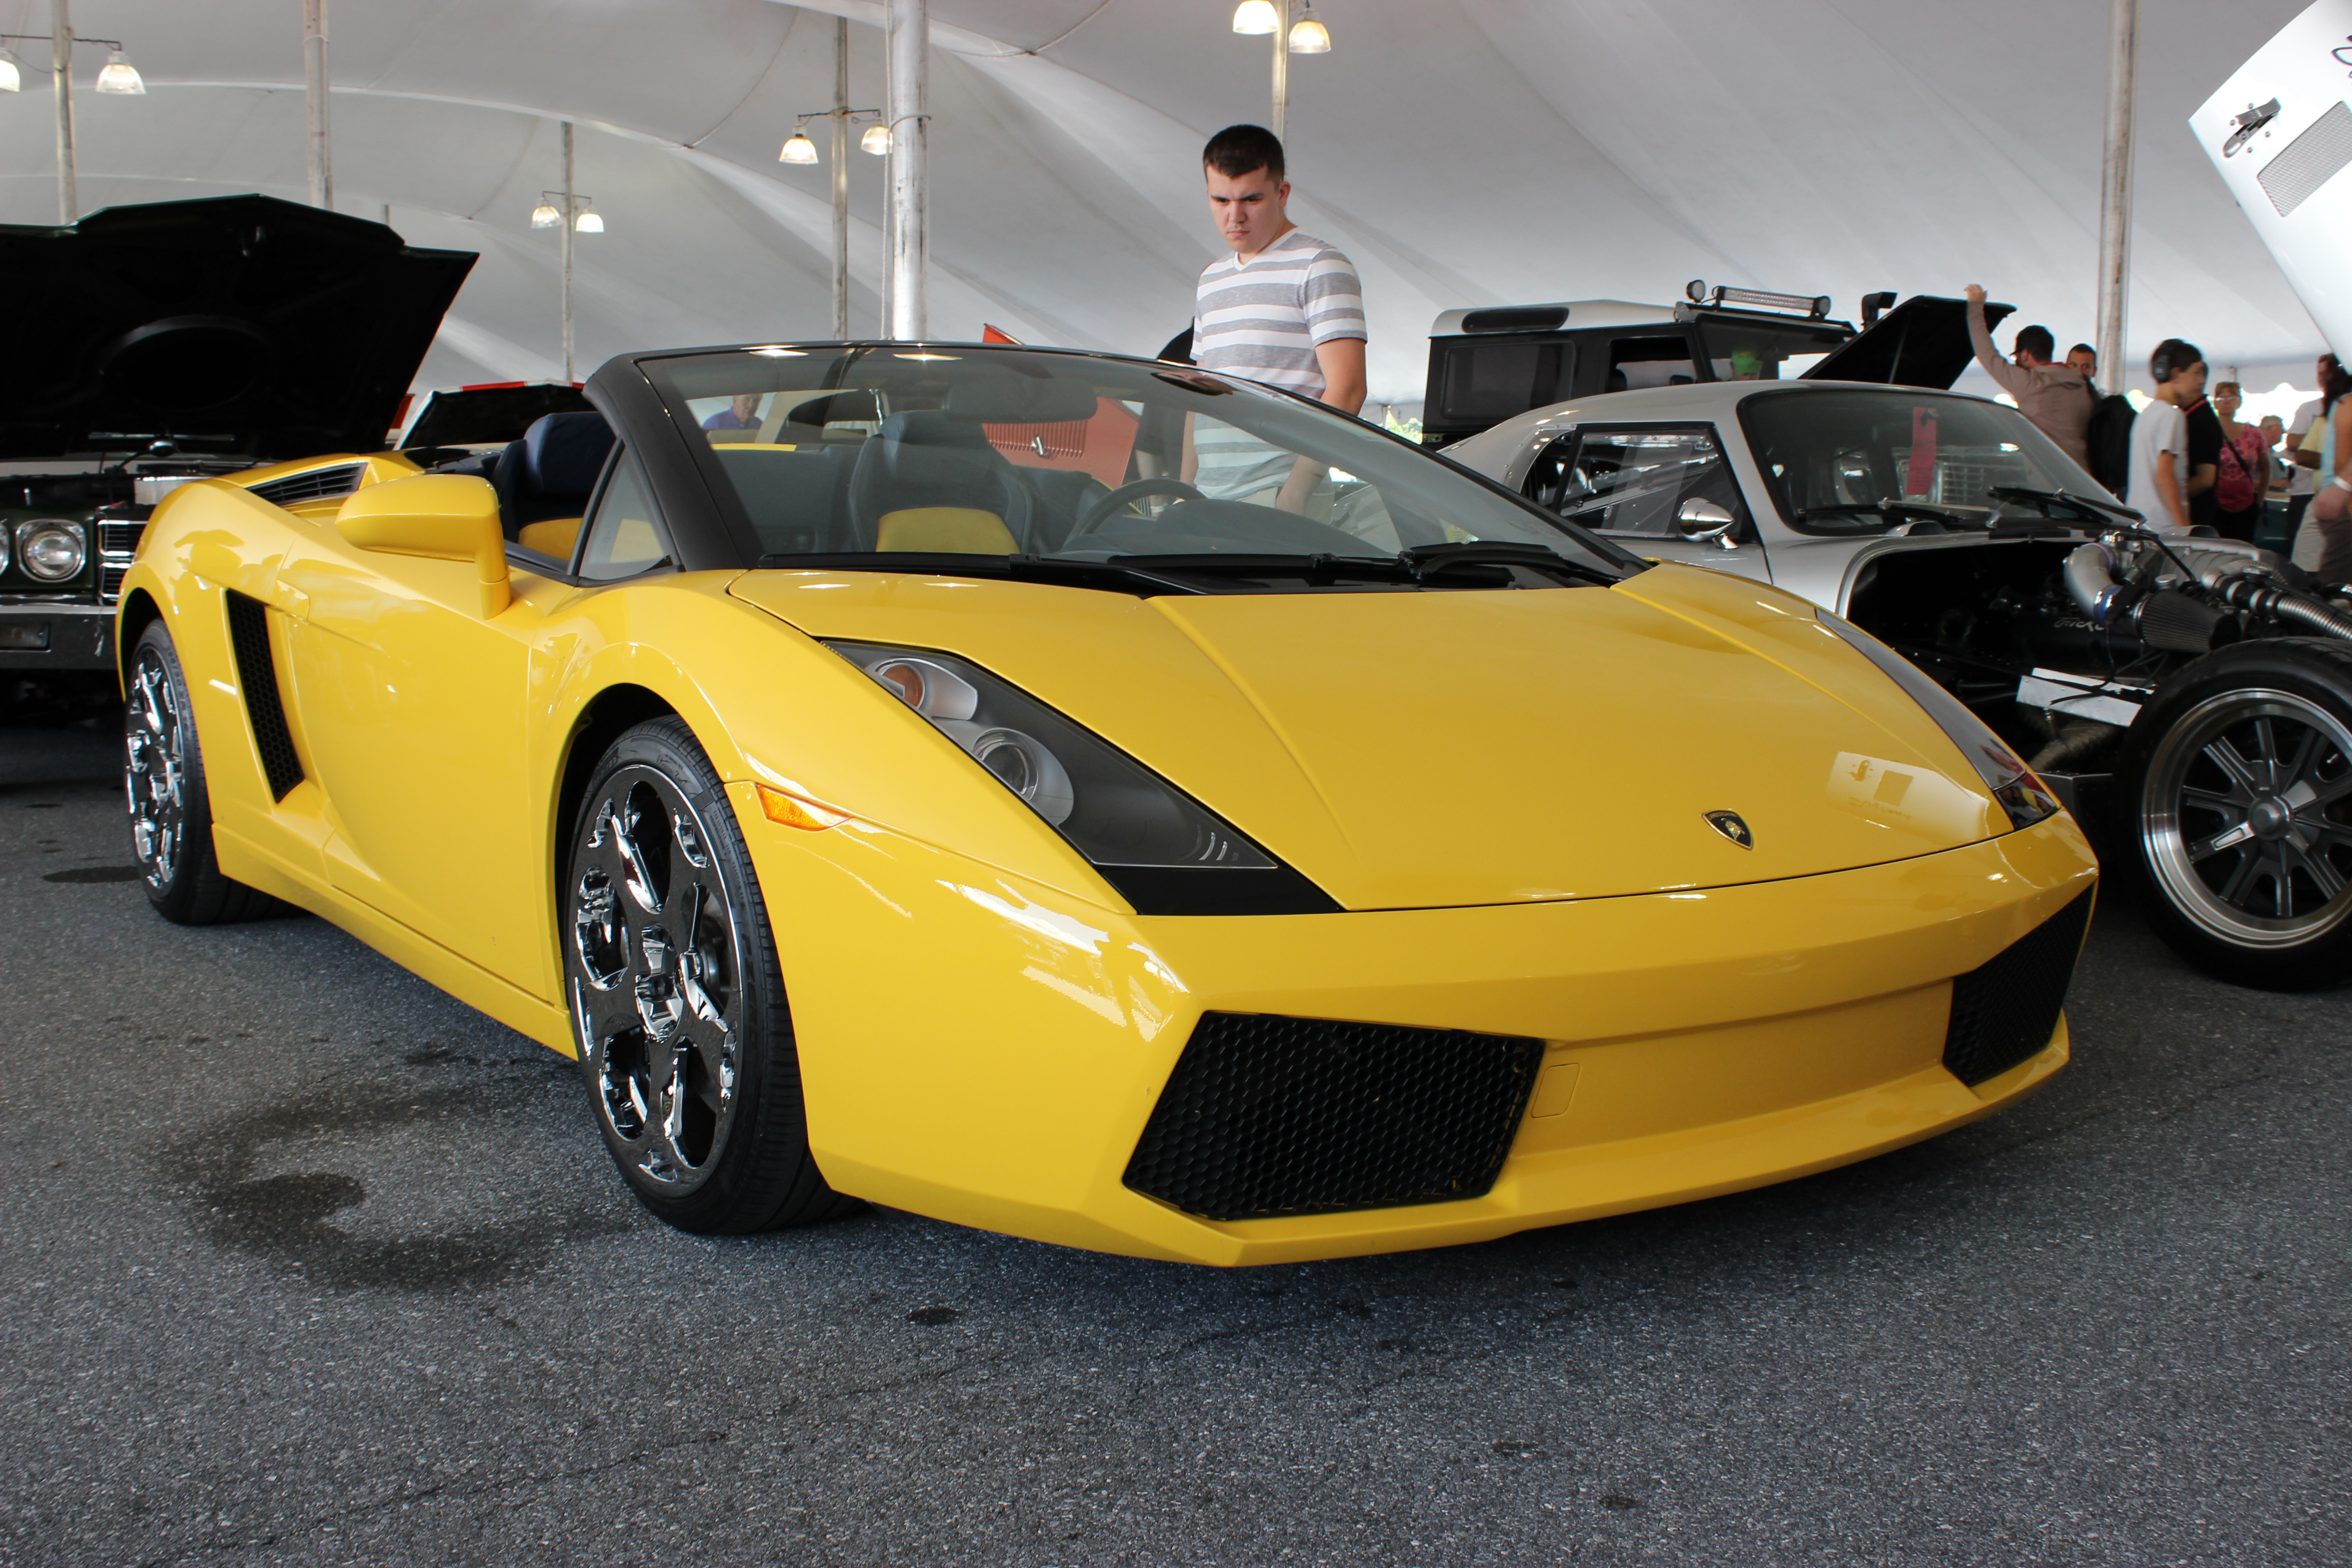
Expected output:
(1425, 559)
(2083, 507)
(1115, 576)
(1895, 511)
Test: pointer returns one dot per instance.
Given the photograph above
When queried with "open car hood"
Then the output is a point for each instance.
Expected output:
(1413, 751)
(1922, 342)
(240, 325)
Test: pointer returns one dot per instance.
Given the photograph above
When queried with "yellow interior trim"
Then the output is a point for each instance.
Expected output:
(947, 529)
(554, 537)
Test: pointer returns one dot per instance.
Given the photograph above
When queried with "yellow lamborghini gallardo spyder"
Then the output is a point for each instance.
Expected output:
(1095, 799)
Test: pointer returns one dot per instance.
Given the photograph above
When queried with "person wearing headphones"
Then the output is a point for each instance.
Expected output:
(2158, 481)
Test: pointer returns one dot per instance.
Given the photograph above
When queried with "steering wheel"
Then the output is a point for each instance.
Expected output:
(1097, 512)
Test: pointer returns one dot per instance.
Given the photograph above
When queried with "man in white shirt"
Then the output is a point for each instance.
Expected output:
(1285, 308)
(2159, 437)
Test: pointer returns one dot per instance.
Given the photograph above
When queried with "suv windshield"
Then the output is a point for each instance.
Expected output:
(878, 450)
(1846, 461)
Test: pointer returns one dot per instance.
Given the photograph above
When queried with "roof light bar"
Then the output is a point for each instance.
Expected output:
(1813, 305)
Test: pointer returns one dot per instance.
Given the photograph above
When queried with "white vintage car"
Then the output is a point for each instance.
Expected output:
(2191, 698)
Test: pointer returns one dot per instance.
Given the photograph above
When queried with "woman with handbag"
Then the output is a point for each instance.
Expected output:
(2243, 467)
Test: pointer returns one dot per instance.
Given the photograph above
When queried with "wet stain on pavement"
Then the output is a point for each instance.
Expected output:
(290, 1219)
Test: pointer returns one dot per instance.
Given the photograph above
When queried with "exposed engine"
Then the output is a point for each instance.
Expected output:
(2057, 643)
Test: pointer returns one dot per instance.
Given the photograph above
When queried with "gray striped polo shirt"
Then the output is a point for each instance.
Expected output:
(1263, 318)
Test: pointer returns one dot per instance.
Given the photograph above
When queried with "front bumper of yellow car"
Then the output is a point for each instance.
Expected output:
(988, 1051)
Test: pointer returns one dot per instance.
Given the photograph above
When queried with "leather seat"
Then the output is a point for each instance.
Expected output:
(549, 473)
(934, 462)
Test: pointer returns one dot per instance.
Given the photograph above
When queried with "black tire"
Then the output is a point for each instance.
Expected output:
(678, 1001)
(2236, 808)
(164, 788)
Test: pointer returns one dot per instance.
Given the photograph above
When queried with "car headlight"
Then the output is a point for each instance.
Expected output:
(1163, 850)
(51, 549)
(2013, 784)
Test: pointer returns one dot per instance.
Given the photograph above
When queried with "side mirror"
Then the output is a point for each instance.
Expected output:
(438, 517)
(1702, 522)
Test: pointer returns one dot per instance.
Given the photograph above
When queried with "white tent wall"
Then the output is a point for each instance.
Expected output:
(1464, 152)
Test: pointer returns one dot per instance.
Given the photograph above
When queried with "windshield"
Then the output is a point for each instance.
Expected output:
(966, 451)
(1741, 350)
(1847, 462)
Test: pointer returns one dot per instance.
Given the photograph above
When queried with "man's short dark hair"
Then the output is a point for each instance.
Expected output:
(2037, 342)
(2172, 356)
(1238, 149)
(2084, 349)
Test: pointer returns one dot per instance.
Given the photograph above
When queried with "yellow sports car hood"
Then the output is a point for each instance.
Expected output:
(1432, 749)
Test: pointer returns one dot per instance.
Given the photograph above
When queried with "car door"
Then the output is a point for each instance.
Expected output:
(412, 707)
(1660, 490)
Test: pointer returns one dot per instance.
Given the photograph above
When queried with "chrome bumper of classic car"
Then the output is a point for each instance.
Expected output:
(55, 634)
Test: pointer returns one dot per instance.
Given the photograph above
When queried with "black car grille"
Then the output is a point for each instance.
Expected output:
(315, 484)
(119, 538)
(256, 672)
(2006, 1010)
(1272, 1116)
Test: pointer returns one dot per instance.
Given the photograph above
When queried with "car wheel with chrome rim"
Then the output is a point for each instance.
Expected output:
(2238, 776)
(677, 999)
(169, 801)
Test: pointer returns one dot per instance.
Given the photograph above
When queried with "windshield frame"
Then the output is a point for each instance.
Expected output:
(692, 450)
(2062, 468)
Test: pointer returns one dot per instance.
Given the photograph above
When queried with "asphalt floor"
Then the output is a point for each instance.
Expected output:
(302, 1261)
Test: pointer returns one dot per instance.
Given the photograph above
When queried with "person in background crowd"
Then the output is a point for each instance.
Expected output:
(2204, 457)
(741, 413)
(2083, 357)
(1284, 308)
(2298, 478)
(2159, 437)
(2244, 468)
(2057, 399)
(2323, 545)
(2273, 430)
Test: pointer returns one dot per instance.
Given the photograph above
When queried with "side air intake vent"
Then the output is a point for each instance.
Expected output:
(2310, 161)
(314, 484)
(256, 672)
(2006, 1011)
(1272, 1116)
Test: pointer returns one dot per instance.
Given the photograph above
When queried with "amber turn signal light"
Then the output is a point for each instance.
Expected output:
(793, 812)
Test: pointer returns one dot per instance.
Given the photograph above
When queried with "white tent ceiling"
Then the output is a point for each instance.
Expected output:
(1465, 151)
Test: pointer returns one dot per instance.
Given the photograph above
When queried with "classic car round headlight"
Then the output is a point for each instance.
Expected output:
(50, 550)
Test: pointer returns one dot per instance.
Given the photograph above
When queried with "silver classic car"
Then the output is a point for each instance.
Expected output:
(2191, 698)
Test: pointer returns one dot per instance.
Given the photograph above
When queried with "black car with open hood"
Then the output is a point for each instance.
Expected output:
(172, 341)
(1496, 362)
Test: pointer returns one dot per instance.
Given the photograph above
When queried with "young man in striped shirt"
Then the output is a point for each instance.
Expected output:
(1285, 308)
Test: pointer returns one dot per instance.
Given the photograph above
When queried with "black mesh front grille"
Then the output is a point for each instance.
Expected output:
(2007, 1010)
(119, 538)
(1272, 1116)
(256, 672)
(316, 484)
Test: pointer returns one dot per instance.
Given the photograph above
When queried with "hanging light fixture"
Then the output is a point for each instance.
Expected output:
(11, 80)
(875, 141)
(544, 215)
(119, 76)
(1309, 36)
(800, 149)
(1255, 18)
(588, 222)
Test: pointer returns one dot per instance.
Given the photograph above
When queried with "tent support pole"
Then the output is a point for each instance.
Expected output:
(909, 48)
(841, 179)
(1280, 127)
(314, 92)
(570, 216)
(2116, 191)
(62, 71)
